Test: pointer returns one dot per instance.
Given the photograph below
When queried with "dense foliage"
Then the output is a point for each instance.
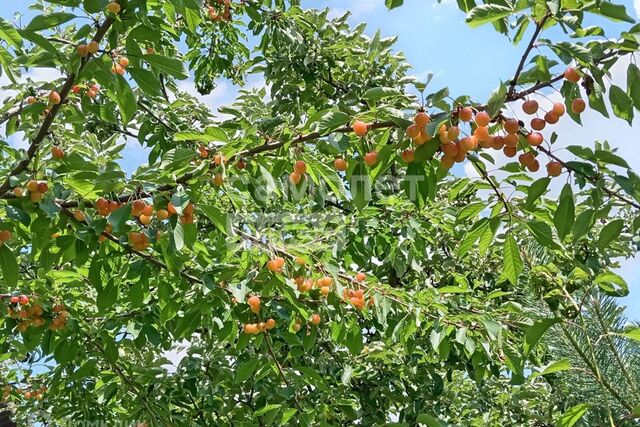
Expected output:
(308, 251)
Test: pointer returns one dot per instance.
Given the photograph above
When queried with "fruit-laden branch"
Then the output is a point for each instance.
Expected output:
(134, 251)
(533, 89)
(592, 179)
(539, 25)
(315, 135)
(50, 117)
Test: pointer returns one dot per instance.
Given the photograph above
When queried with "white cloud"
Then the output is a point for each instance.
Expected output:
(636, 6)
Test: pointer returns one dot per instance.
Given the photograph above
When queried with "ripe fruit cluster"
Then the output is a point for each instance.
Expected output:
(355, 298)
(256, 328)
(36, 189)
(418, 130)
(299, 172)
(91, 89)
(217, 15)
(60, 317)
(90, 48)
(119, 66)
(324, 284)
(139, 240)
(275, 265)
(105, 207)
(31, 314)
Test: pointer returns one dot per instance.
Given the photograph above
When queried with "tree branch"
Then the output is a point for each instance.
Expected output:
(49, 118)
(525, 55)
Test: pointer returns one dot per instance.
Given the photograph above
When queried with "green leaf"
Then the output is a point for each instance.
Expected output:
(246, 369)
(607, 156)
(470, 211)
(9, 34)
(616, 12)
(126, 99)
(199, 137)
(612, 284)
(543, 234)
(265, 409)
(565, 213)
(107, 296)
(331, 121)
(171, 66)
(487, 13)
(621, 103)
(537, 189)
(391, 4)
(111, 351)
(610, 232)
(512, 266)
(378, 93)
(583, 223)
(557, 366)
(634, 334)
(42, 22)
(9, 266)
(633, 84)
(496, 100)
(146, 81)
(360, 186)
(536, 331)
(572, 415)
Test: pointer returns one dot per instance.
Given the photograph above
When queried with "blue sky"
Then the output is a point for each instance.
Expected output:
(436, 40)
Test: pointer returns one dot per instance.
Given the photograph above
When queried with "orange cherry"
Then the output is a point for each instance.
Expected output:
(551, 118)
(270, 323)
(412, 131)
(538, 124)
(422, 138)
(466, 114)
(315, 319)
(578, 105)
(360, 128)
(554, 168)
(534, 166)
(571, 75)
(54, 97)
(422, 119)
(57, 152)
(300, 167)
(530, 107)
(481, 133)
(511, 126)
(340, 164)
(483, 119)
(371, 158)
(449, 149)
(509, 151)
(535, 138)
(407, 156)
(295, 178)
(558, 109)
